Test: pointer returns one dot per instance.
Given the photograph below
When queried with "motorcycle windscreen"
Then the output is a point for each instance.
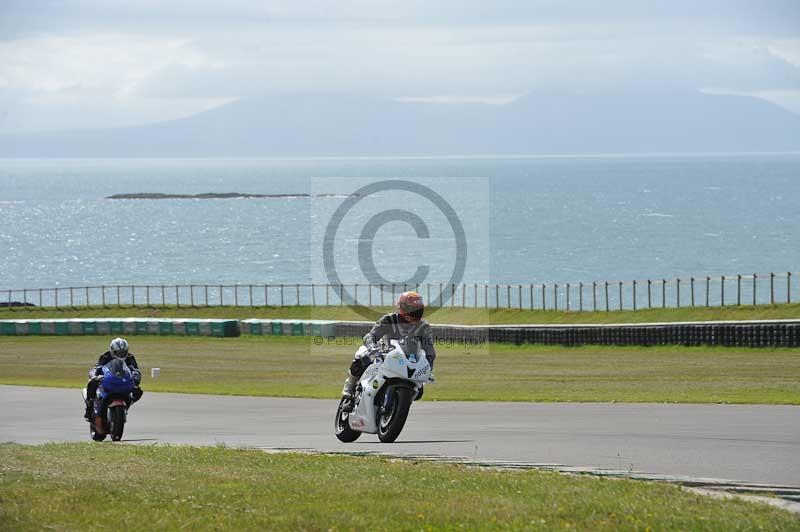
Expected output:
(411, 346)
(117, 378)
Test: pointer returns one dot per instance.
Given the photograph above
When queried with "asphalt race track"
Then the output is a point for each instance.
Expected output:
(749, 443)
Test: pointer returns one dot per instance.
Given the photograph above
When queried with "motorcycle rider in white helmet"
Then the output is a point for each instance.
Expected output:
(117, 349)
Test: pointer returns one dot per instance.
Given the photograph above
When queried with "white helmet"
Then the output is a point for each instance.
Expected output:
(119, 348)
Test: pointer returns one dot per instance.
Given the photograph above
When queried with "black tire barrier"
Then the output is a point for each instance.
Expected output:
(785, 333)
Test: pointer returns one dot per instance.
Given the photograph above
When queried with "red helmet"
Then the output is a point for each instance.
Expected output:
(410, 306)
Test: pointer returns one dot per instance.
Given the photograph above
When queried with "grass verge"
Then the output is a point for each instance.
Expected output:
(170, 488)
(465, 316)
(297, 367)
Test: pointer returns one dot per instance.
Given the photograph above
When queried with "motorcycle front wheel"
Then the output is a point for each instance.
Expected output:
(392, 419)
(342, 426)
(117, 415)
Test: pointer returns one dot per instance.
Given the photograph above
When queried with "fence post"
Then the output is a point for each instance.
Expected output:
(341, 295)
(281, 294)
(620, 294)
(297, 293)
(328, 295)
(788, 287)
(147, 295)
(9, 301)
(678, 292)
(40, 298)
(236, 295)
(771, 288)
(177, 296)
(496, 296)
(555, 296)
(314, 295)
(754, 289)
(87, 297)
(221, 297)
(530, 286)
(594, 296)
(191, 296)
(205, 294)
(738, 290)
(649, 294)
(544, 296)
(119, 304)
(663, 293)
(55, 291)
(163, 297)
(708, 290)
(71, 304)
(580, 296)
(634, 294)
(607, 308)
(102, 296)
(463, 295)
(508, 296)
(474, 301)
(691, 289)
(250, 294)
(567, 297)
(486, 295)
(722, 291)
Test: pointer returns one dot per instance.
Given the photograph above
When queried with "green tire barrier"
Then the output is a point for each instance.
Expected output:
(289, 327)
(120, 326)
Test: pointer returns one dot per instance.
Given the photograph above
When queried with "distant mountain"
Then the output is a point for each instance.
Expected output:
(353, 126)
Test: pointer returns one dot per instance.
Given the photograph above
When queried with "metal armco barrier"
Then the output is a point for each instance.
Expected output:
(119, 326)
(777, 333)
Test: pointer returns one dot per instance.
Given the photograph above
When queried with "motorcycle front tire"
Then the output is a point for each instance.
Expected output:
(391, 423)
(117, 415)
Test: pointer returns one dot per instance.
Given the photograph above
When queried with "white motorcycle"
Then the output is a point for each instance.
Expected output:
(385, 392)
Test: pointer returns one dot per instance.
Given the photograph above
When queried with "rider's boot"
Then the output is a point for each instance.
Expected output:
(99, 426)
(347, 392)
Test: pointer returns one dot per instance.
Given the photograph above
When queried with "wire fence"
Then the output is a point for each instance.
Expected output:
(701, 291)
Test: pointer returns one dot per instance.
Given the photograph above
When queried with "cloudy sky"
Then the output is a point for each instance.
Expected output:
(90, 63)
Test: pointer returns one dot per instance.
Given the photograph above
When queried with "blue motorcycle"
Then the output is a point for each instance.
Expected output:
(113, 399)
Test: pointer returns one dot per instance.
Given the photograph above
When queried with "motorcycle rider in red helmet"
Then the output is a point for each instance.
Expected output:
(404, 322)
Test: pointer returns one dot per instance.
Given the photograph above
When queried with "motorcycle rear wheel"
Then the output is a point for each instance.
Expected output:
(342, 428)
(392, 421)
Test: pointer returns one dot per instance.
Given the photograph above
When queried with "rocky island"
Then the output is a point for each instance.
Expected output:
(219, 195)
